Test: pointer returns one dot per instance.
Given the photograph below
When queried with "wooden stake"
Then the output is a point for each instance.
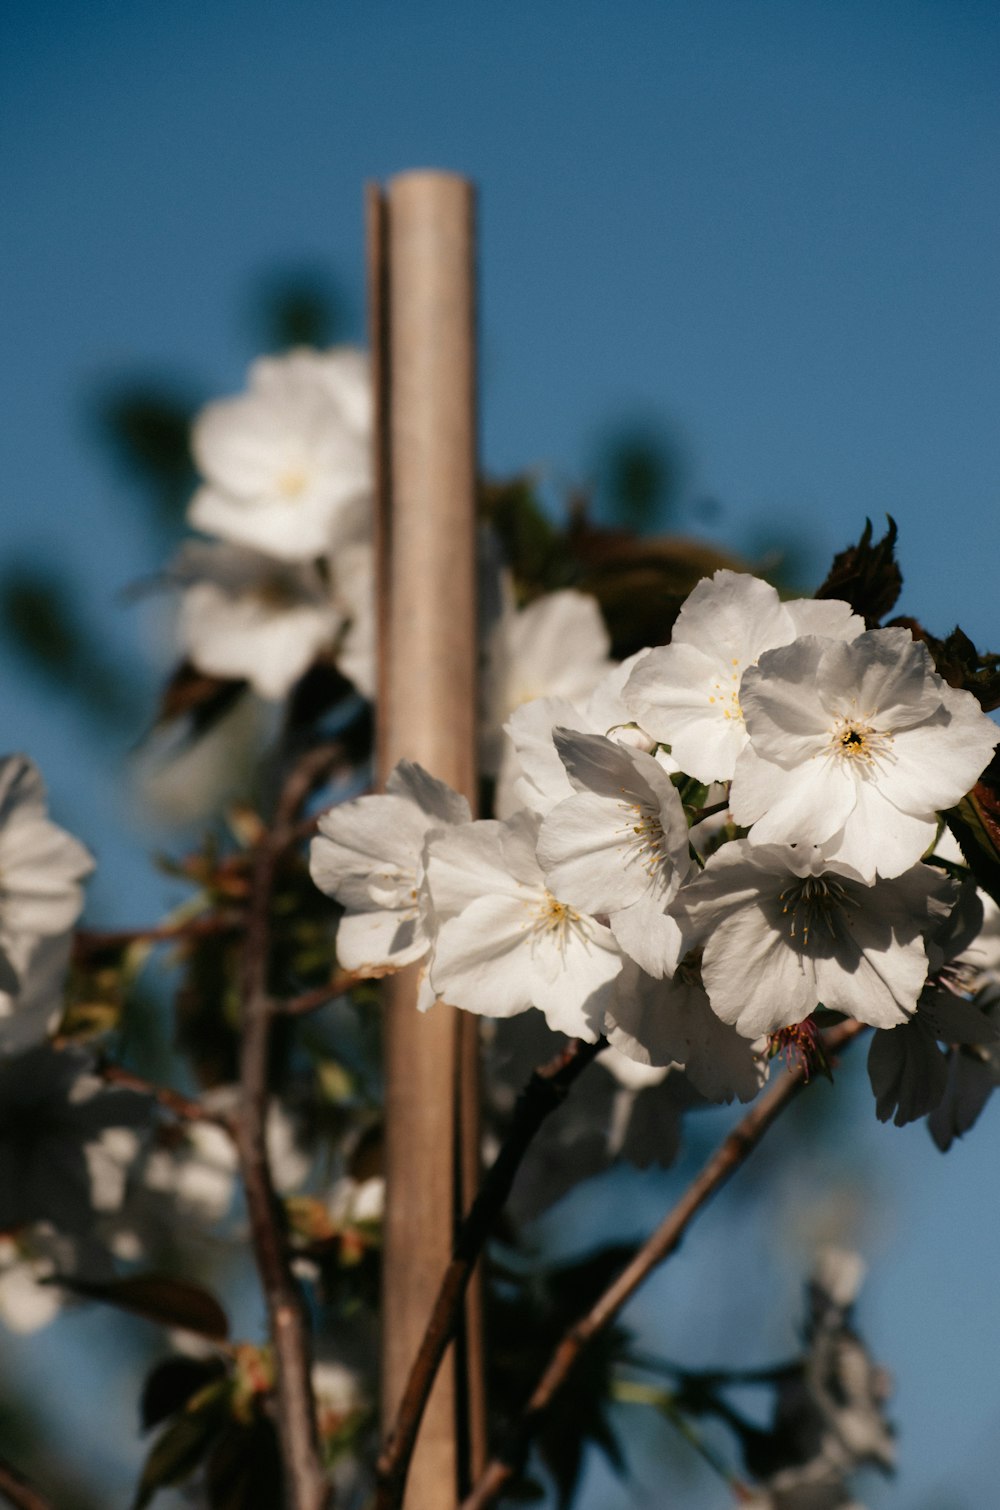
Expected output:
(424, 285)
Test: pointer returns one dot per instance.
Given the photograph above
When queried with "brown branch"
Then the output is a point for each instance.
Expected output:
(710, 812)
(307, 1486)
(344, 980)
(728, 1157)
(305, 776)
(90, 941)
(546, 1090)
(19, 1491)
(185, 1108)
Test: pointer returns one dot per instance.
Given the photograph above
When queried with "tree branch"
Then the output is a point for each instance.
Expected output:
(19, 1491)
(546, 1090)
(185, 1108)
(308, 1001)
(91, 941)
(307, 1485)
(732, 1153)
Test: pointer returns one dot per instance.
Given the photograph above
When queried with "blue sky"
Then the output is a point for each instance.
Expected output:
(769, 228)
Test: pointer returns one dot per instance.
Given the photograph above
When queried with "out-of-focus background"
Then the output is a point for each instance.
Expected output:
(752, 244)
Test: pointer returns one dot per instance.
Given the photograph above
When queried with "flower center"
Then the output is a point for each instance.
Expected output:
(557, 920)
(814, 905)
(725, 692)
(801, 1046)
(856, 739)
(292, 482)
(647, 844)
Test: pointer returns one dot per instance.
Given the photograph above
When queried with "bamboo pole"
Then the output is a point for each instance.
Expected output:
(423, 290)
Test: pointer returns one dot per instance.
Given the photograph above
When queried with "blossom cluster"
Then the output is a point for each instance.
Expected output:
(730, 833)
(287, 577)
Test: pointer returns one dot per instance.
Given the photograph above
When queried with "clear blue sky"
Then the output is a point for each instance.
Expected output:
(772, 227)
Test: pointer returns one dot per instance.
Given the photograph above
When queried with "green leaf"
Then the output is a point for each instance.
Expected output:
(867, 576)
(172, 1383)
(179, 1449)
(160, 1298)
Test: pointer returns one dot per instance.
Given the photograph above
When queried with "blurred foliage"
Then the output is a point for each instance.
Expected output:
(145, 426)
(639, 475)
(640, 582)
(529, 1313)
(299, 306)
(42, 621)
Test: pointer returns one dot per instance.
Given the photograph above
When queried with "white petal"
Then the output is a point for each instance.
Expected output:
(648, 935)
(375, 940)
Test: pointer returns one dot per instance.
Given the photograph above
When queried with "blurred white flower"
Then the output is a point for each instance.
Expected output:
(29, 1260)
(247, 615)
(351, 1201)
(30, 1014)
(856, 746)
(287, 465)
(66, 1140)
(556, 647)
(41, 866)
(687, 693)
(197, 1171)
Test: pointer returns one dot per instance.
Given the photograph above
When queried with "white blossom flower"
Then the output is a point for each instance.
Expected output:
(30, 1259)
(504, 941)
(557, 646)
(784, 931)
(41, 866)
(671, 1022)
(618, 847)
(532, 775)
(247, 615)
(196, 1171)
(855, 746)
(368, 854)
(288, 464)
(28, 1015)
(687, 693)
(28, 1301)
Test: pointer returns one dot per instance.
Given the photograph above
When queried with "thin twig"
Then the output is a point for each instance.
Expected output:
(186, 1108)
(344, 980)
(710, 812)
(546, 1090)
(19, 1491)
(728, 1157)
(305, 776)
(307, 1486)
(90, 941)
